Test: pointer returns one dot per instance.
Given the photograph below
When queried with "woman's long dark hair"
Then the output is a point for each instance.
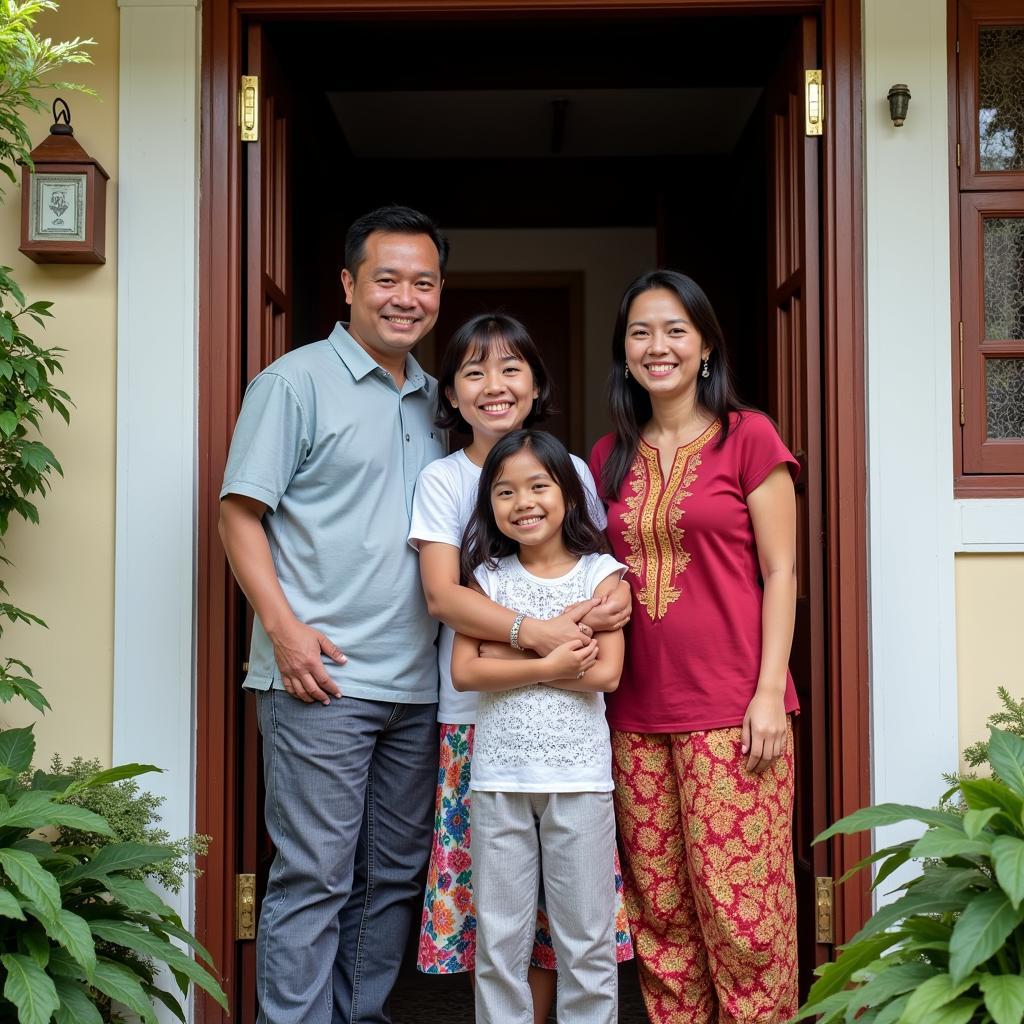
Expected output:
(630, 405)
(484, 543)
(477, 336)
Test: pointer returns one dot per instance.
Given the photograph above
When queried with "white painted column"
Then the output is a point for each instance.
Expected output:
(154, 647)
(910, 457)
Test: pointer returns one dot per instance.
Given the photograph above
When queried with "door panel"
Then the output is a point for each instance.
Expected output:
(267, 336)
(794, 328)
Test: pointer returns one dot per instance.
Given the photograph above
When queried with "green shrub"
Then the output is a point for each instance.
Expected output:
(950, 949)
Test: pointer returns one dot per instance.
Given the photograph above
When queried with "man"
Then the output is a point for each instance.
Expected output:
(314, 516)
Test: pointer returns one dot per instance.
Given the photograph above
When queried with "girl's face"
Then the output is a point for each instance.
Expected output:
(494, 391)
(527, 503)
(663, 348)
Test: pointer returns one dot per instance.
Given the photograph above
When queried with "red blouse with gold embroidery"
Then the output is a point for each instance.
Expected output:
(693, 647)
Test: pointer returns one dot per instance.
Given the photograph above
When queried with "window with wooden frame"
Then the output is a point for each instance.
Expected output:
(988, 239)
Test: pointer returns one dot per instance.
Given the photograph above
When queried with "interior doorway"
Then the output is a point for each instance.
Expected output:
(591, 150)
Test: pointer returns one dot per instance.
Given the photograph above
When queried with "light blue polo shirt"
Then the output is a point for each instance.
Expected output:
(328, 442)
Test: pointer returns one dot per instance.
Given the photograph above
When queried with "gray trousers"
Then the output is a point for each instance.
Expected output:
(574, 835)
(350, 803)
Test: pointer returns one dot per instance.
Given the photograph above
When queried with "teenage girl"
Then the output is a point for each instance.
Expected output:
(541, 776)
(492, 381)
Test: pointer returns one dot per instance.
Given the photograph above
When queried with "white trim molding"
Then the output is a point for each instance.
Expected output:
(154, 647)
(990, 526)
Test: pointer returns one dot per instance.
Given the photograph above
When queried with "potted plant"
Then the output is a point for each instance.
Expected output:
(950, 949)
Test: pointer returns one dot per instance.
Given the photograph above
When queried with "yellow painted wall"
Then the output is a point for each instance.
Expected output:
(990, 637)
(64, 568)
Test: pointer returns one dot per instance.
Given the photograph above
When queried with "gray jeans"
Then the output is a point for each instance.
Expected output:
(574, 835)
(349, 809)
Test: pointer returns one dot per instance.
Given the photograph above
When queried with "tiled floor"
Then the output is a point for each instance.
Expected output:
(422, 999)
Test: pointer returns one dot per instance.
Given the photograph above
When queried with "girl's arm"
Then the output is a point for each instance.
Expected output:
(773, 514)
(471, 672)
(604, 676)
(471, 613)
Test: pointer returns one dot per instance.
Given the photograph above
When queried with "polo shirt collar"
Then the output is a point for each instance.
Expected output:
(360, 363)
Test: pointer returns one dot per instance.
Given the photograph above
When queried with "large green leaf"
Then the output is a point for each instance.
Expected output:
(35, 808)
(119, 983)
(888, 814)
(981, 793)
(172, 1004)
(890, 981)
(136, 895)
(9, 905)
(1006, 754)
(118, 857)
(948, 842)
(72, 932)
(976, 819)
(853, 957)
(830, 1009)
(173, 927)
(940, 880)
(960, 1011)
(932, 995)
(911, 903)
(30, 989)
(871, 858)
(33, 881)
(109, 775)
(1004, 997)
(981, 930)
(75, 1005)
(79, 818)
(124, 933)
(894, 863)
(891, 1012)
(16, 749)
(1008, 860)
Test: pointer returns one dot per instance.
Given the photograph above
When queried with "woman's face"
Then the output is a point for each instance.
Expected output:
(663, 348)
(494, 391)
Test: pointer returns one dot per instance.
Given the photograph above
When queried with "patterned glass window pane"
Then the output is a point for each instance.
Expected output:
(1004, 397)
(1001, 97)
(1004, 278)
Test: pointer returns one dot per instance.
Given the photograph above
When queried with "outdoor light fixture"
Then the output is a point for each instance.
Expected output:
(899, 100)
(63, 198)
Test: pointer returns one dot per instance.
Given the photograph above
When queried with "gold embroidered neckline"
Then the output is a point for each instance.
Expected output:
(695, 445)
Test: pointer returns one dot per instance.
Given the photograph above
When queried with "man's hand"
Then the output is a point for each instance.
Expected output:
(298, 651)
(544, 635)
(612, 613)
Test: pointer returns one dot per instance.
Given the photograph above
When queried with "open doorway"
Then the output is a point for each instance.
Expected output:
(595, 151)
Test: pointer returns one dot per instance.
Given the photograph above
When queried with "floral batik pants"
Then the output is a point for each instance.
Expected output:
(708, 871)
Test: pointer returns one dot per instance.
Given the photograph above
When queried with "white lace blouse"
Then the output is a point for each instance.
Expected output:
(539, 739)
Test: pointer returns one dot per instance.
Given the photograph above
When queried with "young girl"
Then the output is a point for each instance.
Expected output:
(541, 776)
(492, 381)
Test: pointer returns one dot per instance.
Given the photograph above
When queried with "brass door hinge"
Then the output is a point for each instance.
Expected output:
(249, 109)
(245, 906)
(814, 101)
(963, 418)
(824, 910)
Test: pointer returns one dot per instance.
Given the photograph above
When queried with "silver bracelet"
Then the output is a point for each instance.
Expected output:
(513, 633)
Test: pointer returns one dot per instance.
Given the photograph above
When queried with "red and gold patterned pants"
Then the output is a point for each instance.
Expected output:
(708, 870)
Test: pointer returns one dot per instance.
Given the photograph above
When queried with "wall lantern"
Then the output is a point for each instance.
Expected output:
(899, 100)
(63, 198)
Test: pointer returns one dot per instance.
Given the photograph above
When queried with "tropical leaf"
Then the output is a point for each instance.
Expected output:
(948, 842)
(981, 793)
(136, 895)
(173, 927)
(72, 932)
(119, 983)
(1006, 753)
(888, 814)
(981, 930)
(931, 996)
(33, 881)
(75, 1005)
(9, 906)
(976, 820)
(872, 858)
(117, 857)
(911, 903)
(890, 981)
(16, 749)
(1008, 860)
(30, 989)
(109, 775)
(834, 976)
(172, 1004)
(1004, 997)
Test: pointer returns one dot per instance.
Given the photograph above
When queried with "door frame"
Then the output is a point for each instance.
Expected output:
(221, 298)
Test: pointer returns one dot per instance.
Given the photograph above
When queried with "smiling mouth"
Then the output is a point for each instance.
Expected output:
(401, 321)
(527, 521)
(497, 407)
(659, 369)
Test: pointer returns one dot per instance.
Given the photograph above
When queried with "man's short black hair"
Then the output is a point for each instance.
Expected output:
(401, 220)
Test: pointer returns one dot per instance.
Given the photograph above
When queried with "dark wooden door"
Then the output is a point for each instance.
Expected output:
(794, 333)
(267, 335)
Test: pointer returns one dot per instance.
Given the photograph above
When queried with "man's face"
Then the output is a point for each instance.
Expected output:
(394, 295)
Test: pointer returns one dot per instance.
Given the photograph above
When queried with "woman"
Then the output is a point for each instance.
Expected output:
(701, 509)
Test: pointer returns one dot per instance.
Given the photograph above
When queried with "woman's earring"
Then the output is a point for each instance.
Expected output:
(627, 373)
(705, 372)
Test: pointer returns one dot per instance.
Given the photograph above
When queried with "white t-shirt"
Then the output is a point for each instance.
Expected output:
(537, 738)
(442, 505)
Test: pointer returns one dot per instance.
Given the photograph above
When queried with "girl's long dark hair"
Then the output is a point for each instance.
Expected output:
(484, 543)
(630, 405)
(477, 336)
